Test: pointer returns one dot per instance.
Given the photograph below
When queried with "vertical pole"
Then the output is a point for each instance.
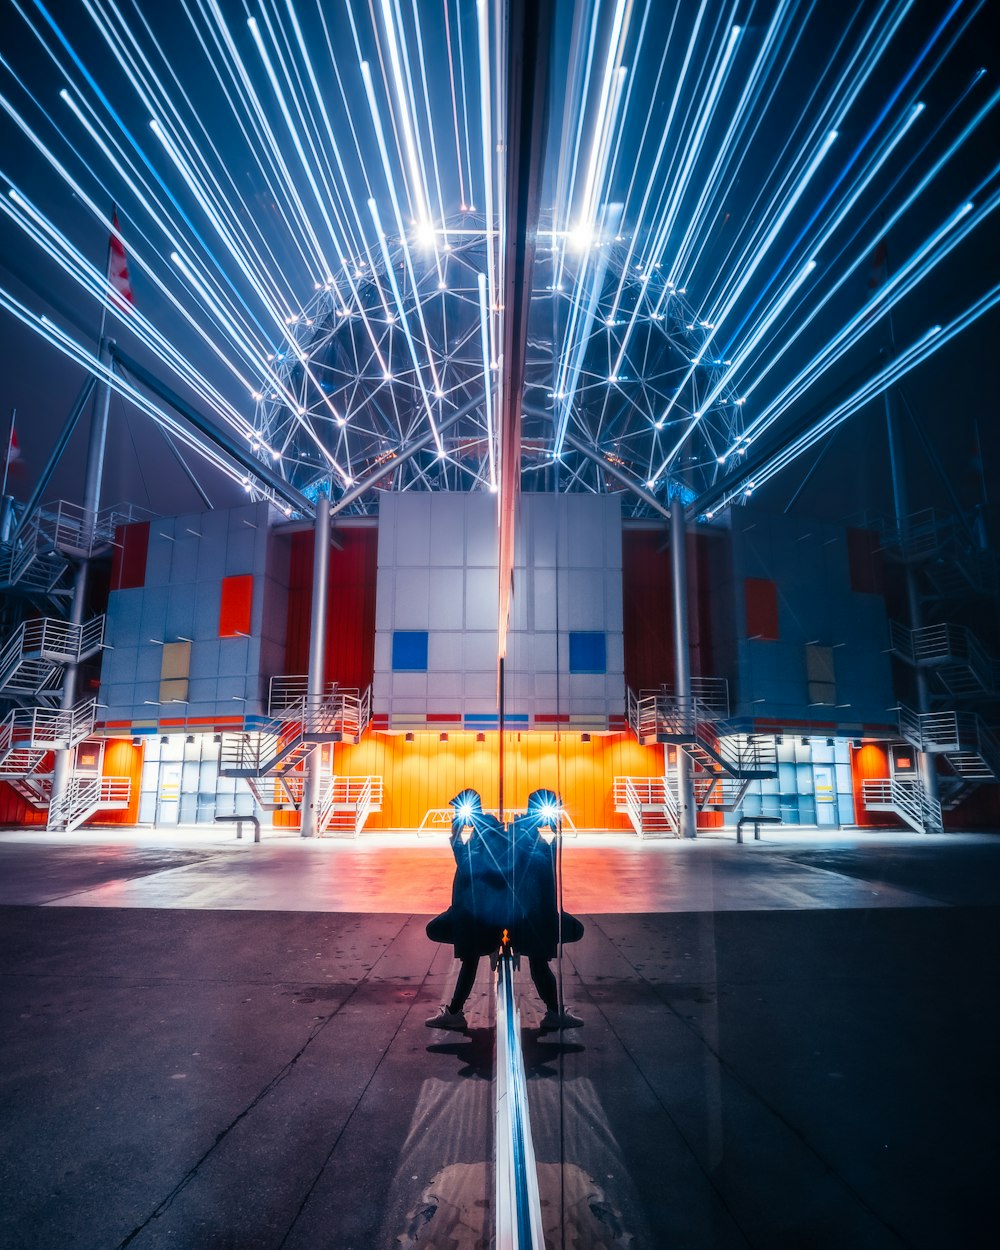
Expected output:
(312, 787)
(63, 763)
(502, 734)
(682, 665)
(928, 768)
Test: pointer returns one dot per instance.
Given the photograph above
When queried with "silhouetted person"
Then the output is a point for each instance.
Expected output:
(503, 880)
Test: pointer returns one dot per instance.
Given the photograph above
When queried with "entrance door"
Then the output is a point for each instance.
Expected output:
(169, 805)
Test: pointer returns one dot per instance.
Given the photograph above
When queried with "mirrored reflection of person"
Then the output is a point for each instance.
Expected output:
(497, 886)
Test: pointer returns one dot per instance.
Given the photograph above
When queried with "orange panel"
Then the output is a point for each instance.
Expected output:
(122, 759)
(234, 608)
(869, 762)
(426, 773)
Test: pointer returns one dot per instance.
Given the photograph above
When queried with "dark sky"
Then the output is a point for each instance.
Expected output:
(953, 395)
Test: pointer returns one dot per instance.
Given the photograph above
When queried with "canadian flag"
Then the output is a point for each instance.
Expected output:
(121, 283)
(14, 450)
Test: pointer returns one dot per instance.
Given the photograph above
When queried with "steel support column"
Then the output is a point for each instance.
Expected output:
(62, 766)
(928, 764)
(687, 814)
(312, 788)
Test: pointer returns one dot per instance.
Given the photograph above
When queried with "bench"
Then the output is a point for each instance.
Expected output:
(238, 821)
(756, 821)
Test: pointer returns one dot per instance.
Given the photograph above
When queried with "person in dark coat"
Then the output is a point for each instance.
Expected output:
(503, 880)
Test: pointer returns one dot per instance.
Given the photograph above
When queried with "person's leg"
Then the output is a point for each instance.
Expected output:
(545, 982)
(463, 986)
(548, 992)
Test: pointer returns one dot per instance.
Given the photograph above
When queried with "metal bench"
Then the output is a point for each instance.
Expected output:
(238, 822)
(756, 821)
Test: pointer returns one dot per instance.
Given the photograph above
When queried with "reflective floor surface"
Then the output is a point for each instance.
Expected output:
(207, 1044)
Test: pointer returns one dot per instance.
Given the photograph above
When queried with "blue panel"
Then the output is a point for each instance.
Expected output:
(409, 651)
(587, 653)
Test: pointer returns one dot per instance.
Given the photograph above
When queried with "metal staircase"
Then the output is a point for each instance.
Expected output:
(39, 553)
(650, 804)
(345, 803)
(28, 734)
(907, 798)
(277, 744)
(33, 657)
(960, 664)
(83, 797)
(725, 762)
(968, 745)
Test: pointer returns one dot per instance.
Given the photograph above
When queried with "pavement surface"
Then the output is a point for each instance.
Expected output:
(211, 1044)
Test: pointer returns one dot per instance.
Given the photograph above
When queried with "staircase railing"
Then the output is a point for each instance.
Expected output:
(907, 798)
(46, 729)
(83, 796)
(637, 795)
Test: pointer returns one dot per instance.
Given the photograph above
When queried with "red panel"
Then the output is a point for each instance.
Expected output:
(761, 597)
(350, 623)
(128, 563)
(864, 558)
(16, 811)
(647, 606)
(234, 608)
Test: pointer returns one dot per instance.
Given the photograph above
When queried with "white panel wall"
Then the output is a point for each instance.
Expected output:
(437, 570)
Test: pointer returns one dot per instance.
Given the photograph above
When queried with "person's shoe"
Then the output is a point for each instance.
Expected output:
(446, 1019)
(559, 1020)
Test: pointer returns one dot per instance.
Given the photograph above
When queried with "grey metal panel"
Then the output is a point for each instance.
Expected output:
(447, 517)
(480, 690)
(203, 691)
(234, 656)
(446, 593)
(205, 658)
(124, 615)
(413, 537)
(231, 690)
(481, 601)
(409, 686)
(239, 552)
(448, 689)
(179, 619)
(154, 613)
(146, 699)
(481, 532)
(412, 604)
(208, 597)
(212, 555)
(479, 652)
(149, 660)
(119, 665)
(159, 554)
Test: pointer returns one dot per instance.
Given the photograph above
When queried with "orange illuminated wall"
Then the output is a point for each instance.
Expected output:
(427, 773)
(122, 759)
(869, 762)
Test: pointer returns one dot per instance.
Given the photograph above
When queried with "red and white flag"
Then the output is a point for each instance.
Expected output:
(14, 450)
(118, 277)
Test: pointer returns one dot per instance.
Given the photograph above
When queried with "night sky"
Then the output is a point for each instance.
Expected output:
(933, 57)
